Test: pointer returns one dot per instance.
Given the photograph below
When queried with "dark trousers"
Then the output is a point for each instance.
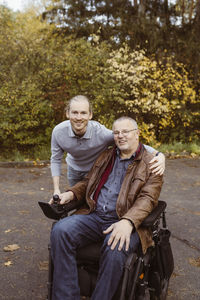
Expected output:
(77, 231)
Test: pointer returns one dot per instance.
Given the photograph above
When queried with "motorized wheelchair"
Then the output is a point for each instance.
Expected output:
(145, 276)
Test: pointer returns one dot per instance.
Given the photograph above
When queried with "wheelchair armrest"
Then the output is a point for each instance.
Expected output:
(155, 214)
(57, 212)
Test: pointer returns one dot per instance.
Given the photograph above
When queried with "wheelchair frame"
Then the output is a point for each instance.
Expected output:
(140, 281)
(139, 267)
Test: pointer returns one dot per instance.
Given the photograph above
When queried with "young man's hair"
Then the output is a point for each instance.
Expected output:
(79, 98)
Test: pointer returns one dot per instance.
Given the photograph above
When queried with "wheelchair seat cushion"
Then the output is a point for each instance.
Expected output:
(90, 253)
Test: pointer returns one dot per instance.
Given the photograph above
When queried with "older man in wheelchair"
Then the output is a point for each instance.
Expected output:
(114, 199)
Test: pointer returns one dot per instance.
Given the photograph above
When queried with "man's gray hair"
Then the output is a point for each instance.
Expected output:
(127, 118)
(79, 98)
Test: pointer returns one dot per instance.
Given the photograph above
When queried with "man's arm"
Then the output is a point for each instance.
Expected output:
(158, 162)
(56, 188)
(56, 158)
(77, 191)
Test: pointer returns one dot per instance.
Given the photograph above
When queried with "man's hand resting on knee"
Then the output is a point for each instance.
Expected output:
(121, 232)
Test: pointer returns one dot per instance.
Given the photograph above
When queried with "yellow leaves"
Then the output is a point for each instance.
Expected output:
(95, 38)
(194, 261)
(151, 88)
(186, 123)
(11, 248)
(35, 163)
(147, 133)
(164, 122)
(8, 263)
(43, 265)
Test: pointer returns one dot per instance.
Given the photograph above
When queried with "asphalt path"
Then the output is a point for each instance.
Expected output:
(24, 269)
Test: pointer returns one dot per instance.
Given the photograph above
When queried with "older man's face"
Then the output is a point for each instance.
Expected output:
(126, 136)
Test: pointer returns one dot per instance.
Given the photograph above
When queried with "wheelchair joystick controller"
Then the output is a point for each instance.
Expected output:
(56, 199)
(56, 210)
(56, 203)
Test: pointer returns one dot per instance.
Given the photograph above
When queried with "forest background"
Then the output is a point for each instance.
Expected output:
(139, 58)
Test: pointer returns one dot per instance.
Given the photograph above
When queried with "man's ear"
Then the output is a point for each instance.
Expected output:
(67, 114)
(138, 133)
(90, 116)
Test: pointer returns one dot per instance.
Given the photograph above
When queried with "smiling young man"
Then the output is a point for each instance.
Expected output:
(119, 192)
(83, 140)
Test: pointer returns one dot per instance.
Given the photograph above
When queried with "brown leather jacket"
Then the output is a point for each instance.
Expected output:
(138, 194)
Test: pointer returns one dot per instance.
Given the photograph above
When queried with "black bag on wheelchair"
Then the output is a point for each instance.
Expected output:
(166, 256)
(162, 264)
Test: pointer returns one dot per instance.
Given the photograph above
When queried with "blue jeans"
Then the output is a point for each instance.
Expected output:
(74, 176)
(77, 231)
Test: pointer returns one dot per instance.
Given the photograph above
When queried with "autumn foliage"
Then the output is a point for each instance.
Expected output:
(41, 69)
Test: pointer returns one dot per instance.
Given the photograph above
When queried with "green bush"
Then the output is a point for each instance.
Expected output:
(41, 70)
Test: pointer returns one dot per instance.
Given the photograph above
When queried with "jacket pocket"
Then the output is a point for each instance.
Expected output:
(135, 186)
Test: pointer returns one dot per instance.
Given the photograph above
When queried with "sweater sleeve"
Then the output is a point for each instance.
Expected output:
(150, 149)
(56, 156)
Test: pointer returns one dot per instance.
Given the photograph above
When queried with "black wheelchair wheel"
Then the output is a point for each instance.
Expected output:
(163, 291)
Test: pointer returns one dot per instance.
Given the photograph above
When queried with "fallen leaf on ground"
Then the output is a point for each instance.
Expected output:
(28, 248)
(43, 265)
(23, 212)
(11, 248)
(8, 263)
(175, 274)
(8, 230)
(195, 261)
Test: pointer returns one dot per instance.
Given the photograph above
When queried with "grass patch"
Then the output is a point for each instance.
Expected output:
(39, 153)
(180, 148)
(43, 153)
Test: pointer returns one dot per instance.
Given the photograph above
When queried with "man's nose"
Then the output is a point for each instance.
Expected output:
(120, 135)
(79, 116)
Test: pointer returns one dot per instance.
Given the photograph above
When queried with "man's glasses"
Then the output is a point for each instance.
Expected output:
(124, 132)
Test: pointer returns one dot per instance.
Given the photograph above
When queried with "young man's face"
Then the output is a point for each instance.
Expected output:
(126, 136)
(79, 115)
